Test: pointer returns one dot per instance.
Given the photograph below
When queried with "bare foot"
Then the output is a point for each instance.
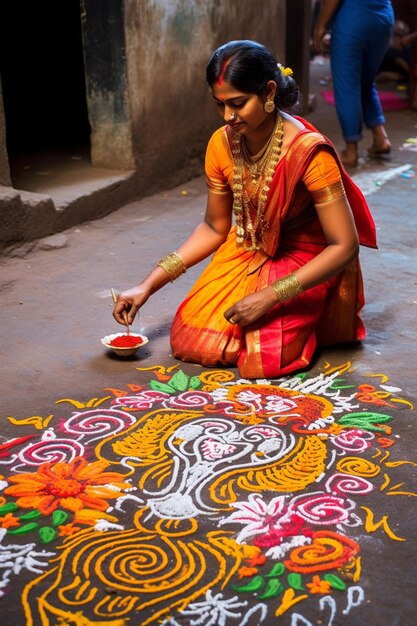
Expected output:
(349, 156)
(348, 159)
(379, 149)
(381, 144)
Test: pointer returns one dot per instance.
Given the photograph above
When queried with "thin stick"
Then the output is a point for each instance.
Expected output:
(113, 295)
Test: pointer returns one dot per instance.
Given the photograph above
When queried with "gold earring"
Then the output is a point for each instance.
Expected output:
(269, 106)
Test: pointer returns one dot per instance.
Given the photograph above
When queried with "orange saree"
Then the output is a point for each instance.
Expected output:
(283, 340)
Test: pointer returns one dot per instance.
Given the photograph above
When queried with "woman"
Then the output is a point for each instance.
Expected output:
(285, 277)
(360, 34)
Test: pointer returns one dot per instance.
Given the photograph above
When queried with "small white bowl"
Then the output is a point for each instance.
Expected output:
(124, 351)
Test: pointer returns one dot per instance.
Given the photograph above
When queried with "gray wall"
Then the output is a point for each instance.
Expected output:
(149, 108)
(168, 46)
(168, 113)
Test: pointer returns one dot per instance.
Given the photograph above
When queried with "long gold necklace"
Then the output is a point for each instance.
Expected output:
(255, 163)
(261, 168)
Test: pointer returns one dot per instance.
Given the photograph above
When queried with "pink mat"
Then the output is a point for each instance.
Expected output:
(390, 101)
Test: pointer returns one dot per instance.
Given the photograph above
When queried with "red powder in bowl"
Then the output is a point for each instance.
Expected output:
(126, 341)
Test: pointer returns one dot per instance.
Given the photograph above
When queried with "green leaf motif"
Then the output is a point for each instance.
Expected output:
(158, 386)
(22, 530)
(295, 581)
(335, 581)
(195, 382)
(254, 585)
(9, 507)
(273, 589)
(338, 383)
(47, 534)
(180, 381)
(35, 514)
(277, 570)
(366, 420)
(59, 517)
(302, 376)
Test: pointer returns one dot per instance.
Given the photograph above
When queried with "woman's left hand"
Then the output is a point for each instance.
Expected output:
(319, 35)
(251, 307)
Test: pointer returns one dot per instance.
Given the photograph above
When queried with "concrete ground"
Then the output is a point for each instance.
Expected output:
(56, 303)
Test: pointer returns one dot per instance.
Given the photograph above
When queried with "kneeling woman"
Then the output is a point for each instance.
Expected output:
(285, 276)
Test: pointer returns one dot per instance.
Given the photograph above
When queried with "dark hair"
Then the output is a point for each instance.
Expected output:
(248, 66)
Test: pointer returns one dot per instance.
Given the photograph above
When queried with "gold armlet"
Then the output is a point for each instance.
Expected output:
(173, 265)
(327, 194)
(287, 287)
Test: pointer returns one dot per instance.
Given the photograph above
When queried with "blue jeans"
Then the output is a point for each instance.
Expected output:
(360, 33)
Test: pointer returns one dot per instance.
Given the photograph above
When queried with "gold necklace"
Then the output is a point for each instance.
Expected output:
(255, 163)
(244, 199)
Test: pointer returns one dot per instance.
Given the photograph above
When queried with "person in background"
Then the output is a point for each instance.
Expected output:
(395, 65)
(315, 12)
(285, 277)
(409, 41)
(406, 11)
(360, 34)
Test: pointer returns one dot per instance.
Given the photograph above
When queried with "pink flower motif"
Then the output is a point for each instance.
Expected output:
(257, 516)
(353, 440)
(322, 509)
(189, 400)
(345, 483)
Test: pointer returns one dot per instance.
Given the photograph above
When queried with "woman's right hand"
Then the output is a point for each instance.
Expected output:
(319, 40)
(130, 301)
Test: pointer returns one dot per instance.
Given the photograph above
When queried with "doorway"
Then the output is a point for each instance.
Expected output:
(44, 91)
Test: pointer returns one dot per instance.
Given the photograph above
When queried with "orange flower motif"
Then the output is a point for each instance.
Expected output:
(247, 571)
(67, 530)
(73, 486)
(318, 585)
(328, 550)
(9, 520)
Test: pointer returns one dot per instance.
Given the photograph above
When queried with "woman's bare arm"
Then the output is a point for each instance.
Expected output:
(342, 248)
(328, 8)
(204, 240)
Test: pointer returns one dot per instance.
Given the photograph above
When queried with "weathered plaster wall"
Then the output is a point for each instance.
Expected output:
(168, 43)
(106, 84)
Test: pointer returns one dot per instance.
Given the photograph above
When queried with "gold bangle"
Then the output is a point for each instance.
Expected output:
(173, 265)
(287, 287)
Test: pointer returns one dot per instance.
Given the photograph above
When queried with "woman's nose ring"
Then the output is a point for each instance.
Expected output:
(232, 117)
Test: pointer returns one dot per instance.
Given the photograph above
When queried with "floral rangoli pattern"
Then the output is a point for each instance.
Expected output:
(199, 500)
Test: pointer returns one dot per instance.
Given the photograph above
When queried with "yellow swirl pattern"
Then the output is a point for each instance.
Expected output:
(294, 472)
(213, 379)
(358, 467)
(146, 439)
(163, 569)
